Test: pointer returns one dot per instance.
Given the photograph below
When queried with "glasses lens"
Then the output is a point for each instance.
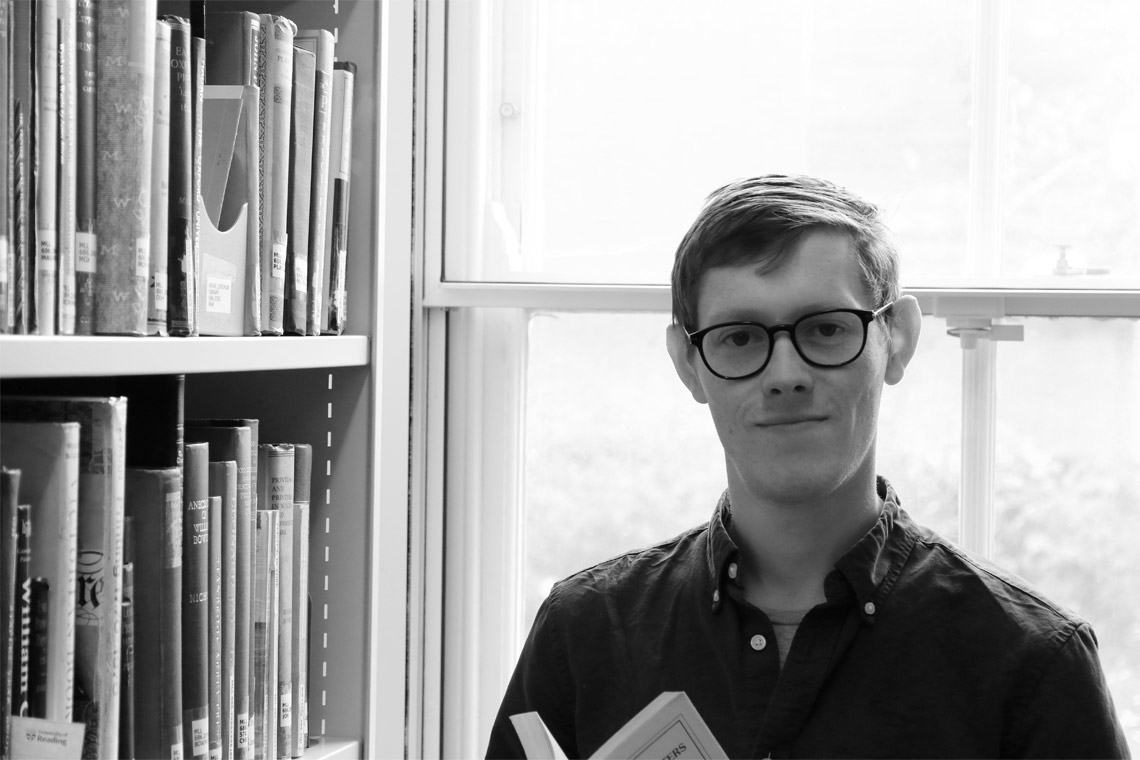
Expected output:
(736, 350)
(832, 338)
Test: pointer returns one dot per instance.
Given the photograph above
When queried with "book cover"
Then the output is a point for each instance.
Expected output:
(340, 168)
(320, 43)
(197, 89)
(275, 468)
(668, 727)
(6, 177)
(85, 118)
(265, 633)
(23, 105)
(180, 209)
(22, 631)
(124, 47)
(196, 601)
(300, 186)
(302, 486)
(236, 442)
(45, 160)
(224, 485)
(214, 650)
(39, 652)
(66, 178)
(127, 647)
(233, 51)
(158, 294)
(9, 617)
(277, 33)
(154, 504)
(47, 455)
(102, 462)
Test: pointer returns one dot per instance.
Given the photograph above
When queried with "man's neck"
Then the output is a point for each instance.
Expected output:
(789, 548)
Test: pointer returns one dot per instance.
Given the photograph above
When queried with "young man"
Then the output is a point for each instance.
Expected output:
(811, 617)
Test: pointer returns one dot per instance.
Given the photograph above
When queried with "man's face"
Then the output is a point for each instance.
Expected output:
(794, 432)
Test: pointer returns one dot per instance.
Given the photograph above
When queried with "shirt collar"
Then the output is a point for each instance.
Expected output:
(868, 571)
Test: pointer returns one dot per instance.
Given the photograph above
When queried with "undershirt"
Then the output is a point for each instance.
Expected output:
(785, 623)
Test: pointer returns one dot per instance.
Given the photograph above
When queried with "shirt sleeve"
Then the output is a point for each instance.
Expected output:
(540, 683)
(1069, 711)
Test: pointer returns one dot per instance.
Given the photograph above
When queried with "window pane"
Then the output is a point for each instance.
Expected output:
(620, 456)
(1068, 458)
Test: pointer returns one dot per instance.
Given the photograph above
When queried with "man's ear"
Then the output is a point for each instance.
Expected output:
(685, 356)
(906, 324)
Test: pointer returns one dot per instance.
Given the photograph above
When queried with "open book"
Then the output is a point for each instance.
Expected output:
(668, 728)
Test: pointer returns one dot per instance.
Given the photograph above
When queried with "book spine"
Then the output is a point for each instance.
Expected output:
(39, 649)
(154, 503)
(68, 84)
(23, 50)
(300, 186)
(21, 656)
(159, 293)
(180, 208)
(6, 182)
(276, 464)
(215, 624)
(265, 633)
(224, 484)
(156, 423)
(198, 89)
(85, 116)
(302, 480)
(125, 43)
(320, 41)
(344, 77)
(9, 539)
(45, 156)
(127, 667)
(276, 102)
(196, 601)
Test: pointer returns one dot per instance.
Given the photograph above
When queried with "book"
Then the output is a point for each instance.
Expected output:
(40, 688)
(236, 442)
(333, 315)
(9, 619)
(298, 738)
(277, 33)
(45, 160)
(6, 176)
(22, 631)
(233, 51)
(47, 455)
(66, 187)
(197, 89)
(102, 462)
(127, 647)
(180, 208)
(319, 42)
(300, 187)
(125, 42)
(158, 295)
(668, 727)
(196, 601)
(275, 471)
(154, 505)
(214, 649)
(224, 485)
(85, 116)
(265, 632)
(22, 34)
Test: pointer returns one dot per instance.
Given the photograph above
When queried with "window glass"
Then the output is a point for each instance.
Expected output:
(1068, 481)
(619, 456)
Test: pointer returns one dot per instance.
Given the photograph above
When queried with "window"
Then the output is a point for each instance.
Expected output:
(569, 145)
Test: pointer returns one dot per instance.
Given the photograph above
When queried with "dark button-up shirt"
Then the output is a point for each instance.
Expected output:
(921, 650)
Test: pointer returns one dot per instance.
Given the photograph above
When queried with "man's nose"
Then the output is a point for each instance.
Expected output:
(787, 372)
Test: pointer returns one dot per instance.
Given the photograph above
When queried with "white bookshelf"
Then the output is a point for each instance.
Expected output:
(346, 395)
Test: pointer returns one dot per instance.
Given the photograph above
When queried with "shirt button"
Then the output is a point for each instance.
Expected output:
(716, 595)
(732, 570)
(759, 642)
(869, 608)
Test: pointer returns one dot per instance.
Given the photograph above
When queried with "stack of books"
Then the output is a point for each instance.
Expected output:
(154, 584)
(171, 180)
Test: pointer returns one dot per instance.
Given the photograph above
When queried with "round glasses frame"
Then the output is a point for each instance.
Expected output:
(866, 317)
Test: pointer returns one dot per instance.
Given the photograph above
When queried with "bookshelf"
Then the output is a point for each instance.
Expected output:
(346, 395)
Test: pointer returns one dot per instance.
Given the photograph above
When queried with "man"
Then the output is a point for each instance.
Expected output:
(811, 617)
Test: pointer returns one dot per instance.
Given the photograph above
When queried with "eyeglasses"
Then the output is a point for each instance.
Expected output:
(833, 338)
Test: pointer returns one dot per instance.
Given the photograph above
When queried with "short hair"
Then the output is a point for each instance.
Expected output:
(761, 219)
